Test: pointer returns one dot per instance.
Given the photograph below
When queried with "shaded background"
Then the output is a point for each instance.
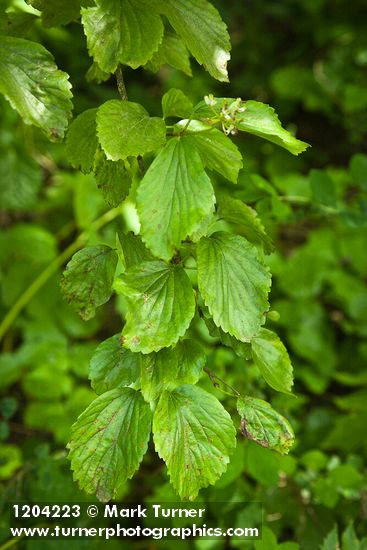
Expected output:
(307, 59)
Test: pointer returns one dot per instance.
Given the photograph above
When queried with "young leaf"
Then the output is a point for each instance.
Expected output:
(160, 302)
(234, 284)
(87, 279)
(203, 31)
(252, 117)
(272, 359)
(82, 141)
(196, 442)
(132, 250)
(113, 366)
(117, 32)
(109, 440)
(126, 129)
(34, 86)
(173, 198)
(176, 104)
(172, 52)
(113, 178)
(171, 367)
(264, 425)
(217, 151)
(237, 212)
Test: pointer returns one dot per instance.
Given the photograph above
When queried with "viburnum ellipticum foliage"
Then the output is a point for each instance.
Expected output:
(198, 253)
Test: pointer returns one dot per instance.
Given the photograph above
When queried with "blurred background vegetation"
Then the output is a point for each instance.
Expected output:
(308, 59)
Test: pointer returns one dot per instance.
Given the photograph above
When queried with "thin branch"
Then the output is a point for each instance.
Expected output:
(141, 165)
(213, 377)
(121, 83)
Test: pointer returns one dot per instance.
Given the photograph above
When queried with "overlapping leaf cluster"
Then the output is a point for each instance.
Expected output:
(147, 377)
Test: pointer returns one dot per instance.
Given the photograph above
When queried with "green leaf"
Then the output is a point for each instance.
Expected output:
(272, 359)
(264, 425)
(331, 541)
(234, 284)
(261, 120)
(196, 442)
(237, 212)
(34, 86)
(171, 367)
(252, 117)
(10, 460)
(87, 279)
(20, 182)
(173, 198)
(95, 74)
(217, 151)
(113, 178)
(172, 51)
(203, 31)
(132, 250)
(176, 104)
(349, 539)
(126, 129)
(109, 440)
(82, 141)
(323, 189)
(113, 366)
(160, 303)
(127, 32)
(18, 23)
(241, 349)
(57, 12)
(358, 169)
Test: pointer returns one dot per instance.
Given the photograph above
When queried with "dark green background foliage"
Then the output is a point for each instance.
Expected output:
(308, 60)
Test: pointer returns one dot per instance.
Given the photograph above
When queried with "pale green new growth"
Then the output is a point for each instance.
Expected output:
(174, 197)
(113, 366)
(234, 284)
(87, 279)
(109, 440)
(161, 305)
(264, 425)
(272, 359)
(126, 129)
(34, 86)
(195, 436)
(126, 32)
